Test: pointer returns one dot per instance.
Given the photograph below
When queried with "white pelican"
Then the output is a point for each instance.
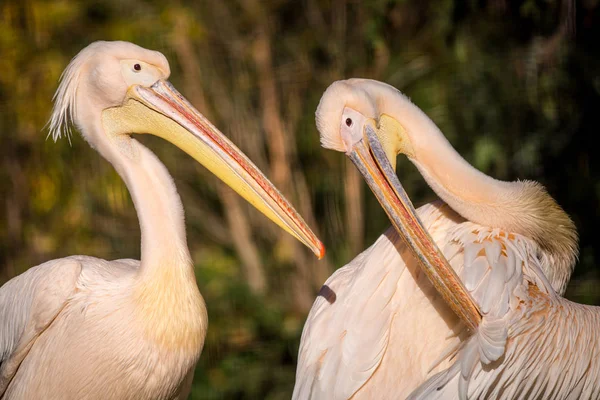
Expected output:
(379, 330)
(85, 328)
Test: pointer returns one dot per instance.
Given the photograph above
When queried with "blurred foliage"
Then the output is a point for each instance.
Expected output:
(515, 86)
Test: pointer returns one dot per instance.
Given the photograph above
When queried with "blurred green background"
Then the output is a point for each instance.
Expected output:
(515, 86)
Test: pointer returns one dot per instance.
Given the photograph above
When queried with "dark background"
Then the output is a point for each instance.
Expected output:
(513, 85)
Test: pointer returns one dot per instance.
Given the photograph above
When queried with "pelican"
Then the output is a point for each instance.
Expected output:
(85, 328)
(463, 299)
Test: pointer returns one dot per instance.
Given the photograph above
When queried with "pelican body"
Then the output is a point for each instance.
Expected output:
(85, 328)
(461, 299)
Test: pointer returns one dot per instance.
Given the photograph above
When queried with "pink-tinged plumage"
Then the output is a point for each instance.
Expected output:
(389, 335)
(86, 328)
(90, 328)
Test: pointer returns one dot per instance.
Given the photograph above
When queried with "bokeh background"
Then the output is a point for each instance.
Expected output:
(514, 85)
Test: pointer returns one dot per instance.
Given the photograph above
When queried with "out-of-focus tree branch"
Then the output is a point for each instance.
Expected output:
(278, 142)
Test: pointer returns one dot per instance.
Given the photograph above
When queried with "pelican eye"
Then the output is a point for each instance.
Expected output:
(137, 67)
(348, 122)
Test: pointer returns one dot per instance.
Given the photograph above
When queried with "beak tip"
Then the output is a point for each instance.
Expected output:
(320, 253)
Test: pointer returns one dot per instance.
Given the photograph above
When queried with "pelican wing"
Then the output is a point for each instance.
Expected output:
(498, 269)
(28, 304)
(553, 353)
(343, 342)
(347, 333)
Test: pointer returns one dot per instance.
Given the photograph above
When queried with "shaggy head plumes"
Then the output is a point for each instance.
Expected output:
(100, 64)
(61, 121)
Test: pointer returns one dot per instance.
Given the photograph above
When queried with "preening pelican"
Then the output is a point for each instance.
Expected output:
(380, 330)
(85, 328)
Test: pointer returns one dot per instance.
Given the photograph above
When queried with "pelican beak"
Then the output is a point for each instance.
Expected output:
(370, 158)
(162, 111)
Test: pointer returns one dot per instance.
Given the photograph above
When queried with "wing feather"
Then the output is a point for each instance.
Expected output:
(28, 304)
(344, 340)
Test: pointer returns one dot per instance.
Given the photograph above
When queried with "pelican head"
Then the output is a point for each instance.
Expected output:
(348, 107)
(112, 90)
